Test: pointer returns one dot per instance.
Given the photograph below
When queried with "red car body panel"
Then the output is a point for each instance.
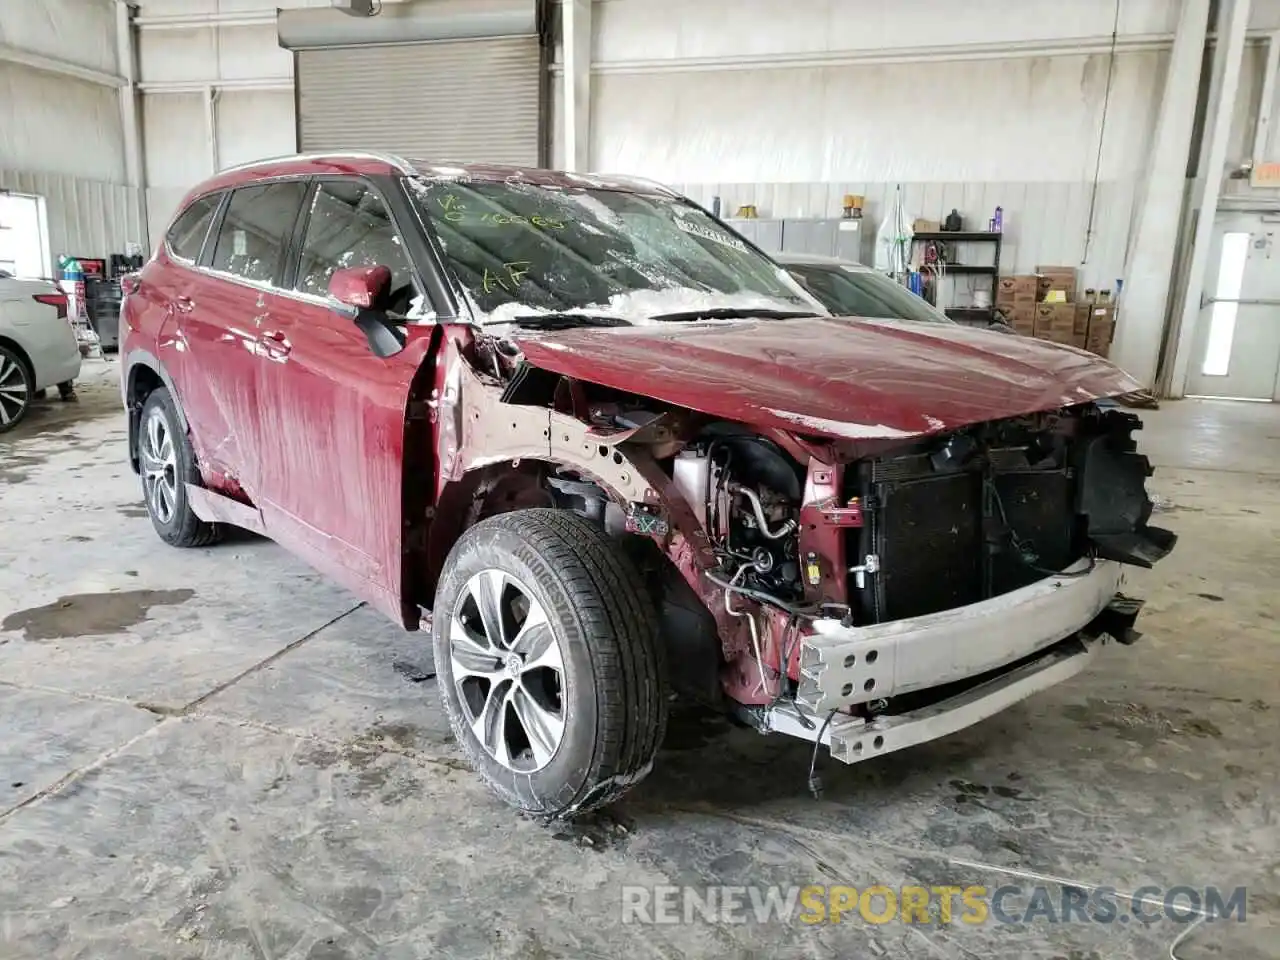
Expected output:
(287, 408)
(214, 344)
(852, 379)
(330, 425)
(292, 167)
(377, 166)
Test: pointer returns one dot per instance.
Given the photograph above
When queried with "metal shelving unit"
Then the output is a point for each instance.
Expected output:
(972, 314)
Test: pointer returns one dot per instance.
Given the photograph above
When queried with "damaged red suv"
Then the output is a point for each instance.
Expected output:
(610, 452)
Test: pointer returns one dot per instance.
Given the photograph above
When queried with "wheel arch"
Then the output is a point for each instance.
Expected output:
(484, 490)
(22, 355)
(689, 608)
(144, 373)
(464, 432)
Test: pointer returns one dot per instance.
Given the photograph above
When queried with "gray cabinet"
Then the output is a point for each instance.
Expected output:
(765, 234)
(823, 236)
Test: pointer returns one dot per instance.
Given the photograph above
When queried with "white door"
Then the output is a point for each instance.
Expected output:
(1236, 350)
(23, 246)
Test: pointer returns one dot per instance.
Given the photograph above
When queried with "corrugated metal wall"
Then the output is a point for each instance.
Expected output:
(61, 137)
(1018, 132)
(1043, 222)
(86, 217)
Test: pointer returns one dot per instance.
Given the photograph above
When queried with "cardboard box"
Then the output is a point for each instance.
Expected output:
(1056, 278)
(1022, 317)
(1056, 322)
(1051, 270)
(1081, 327)
(1016, 290)
(926, 226)
(1102, 330)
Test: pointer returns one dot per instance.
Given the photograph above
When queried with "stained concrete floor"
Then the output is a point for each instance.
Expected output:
(215, 753)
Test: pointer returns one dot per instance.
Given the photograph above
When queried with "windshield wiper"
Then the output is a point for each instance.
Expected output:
(733, 313)
(565, 321)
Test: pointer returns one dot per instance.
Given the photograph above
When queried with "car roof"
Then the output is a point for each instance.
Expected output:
(390, 164)
(789, 259)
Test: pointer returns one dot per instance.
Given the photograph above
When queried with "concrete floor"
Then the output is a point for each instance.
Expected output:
(215, 753)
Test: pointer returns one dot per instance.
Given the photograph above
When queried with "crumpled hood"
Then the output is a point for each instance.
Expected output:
(853, 379)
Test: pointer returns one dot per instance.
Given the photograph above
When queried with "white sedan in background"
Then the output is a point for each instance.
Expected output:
(38, 347)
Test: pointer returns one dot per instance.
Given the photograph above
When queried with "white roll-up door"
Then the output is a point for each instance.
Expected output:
(433, 79)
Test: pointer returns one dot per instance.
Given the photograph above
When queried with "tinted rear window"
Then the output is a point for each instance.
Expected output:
(186, 236)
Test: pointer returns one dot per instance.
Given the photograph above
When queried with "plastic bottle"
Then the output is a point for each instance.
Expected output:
(73, 286)
(998, 220)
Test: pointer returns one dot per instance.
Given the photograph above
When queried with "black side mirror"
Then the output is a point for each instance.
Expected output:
(386, 339)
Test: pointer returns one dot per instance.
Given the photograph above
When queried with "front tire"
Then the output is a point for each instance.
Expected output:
(167, 464)
(549, 661)
(16, 389)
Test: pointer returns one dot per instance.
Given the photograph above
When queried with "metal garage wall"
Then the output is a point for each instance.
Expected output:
(56, 124)
(794, 105)
(1043, 222)
(435, 78)
(459, 99)
(87, 218)
(61, 139)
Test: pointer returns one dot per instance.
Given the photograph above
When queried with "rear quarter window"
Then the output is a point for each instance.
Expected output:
(186, 237)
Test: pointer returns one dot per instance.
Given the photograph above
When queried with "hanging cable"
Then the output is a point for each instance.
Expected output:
(815, 781)
(1102, 135)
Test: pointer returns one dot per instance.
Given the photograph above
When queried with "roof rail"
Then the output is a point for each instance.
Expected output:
(389, 158)
(632, 180)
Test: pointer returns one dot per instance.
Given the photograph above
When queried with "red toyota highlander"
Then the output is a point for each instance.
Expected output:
(613, 453)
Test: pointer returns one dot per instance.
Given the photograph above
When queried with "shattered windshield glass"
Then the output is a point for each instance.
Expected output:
(522, 249)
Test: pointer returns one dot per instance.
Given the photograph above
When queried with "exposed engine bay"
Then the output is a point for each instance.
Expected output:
(936, 524)
(746, 492)
(783, 557)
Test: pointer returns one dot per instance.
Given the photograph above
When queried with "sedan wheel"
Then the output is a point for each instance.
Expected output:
(15, 390)
(159, 463)
(509, 671)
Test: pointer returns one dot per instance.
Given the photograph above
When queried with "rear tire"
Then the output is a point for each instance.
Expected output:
(16, 389)
(549, 661)
(167, 464)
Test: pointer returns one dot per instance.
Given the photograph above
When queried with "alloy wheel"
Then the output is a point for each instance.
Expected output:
(15, 390)
(508, 669)
(159, 464)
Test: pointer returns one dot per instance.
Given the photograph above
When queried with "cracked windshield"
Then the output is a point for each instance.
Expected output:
(523, 250)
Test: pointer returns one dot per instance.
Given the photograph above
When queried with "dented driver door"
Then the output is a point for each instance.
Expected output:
(331, 412)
